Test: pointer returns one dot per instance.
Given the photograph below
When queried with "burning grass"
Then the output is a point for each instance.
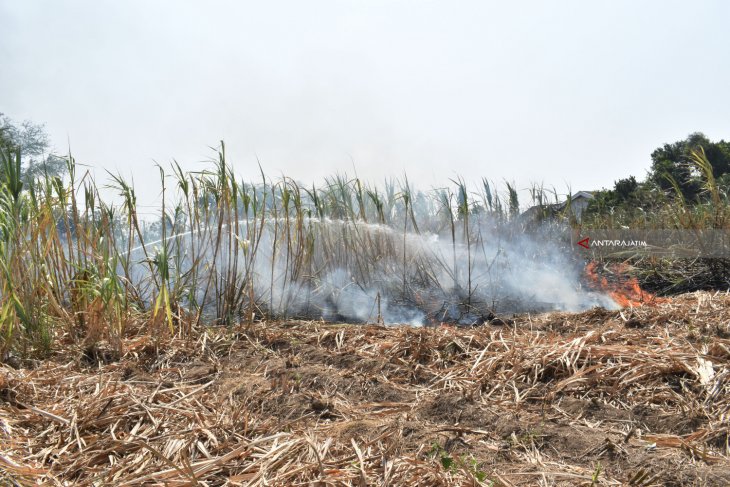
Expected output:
(633, 397)
(615, 280)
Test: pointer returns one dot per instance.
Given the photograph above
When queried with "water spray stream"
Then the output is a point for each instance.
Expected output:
(507, 274)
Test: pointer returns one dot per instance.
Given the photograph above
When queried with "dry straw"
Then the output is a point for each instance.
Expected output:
(637, 397)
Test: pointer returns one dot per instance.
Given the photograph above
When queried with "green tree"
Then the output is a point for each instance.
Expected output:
(672, 162)
(33, 142)
(625, 189)
(628, 196)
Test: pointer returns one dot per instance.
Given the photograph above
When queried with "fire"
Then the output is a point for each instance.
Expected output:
(624, 290)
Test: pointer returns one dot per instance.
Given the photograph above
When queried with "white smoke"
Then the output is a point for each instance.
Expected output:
(406, 277)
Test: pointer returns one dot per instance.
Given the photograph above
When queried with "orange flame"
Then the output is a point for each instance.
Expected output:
(624, 290)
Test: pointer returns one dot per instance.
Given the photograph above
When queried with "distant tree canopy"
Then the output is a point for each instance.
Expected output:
(671, 164)
(627, 193)
(32, 141)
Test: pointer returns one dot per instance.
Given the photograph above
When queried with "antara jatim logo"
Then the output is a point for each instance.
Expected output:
(586, 243)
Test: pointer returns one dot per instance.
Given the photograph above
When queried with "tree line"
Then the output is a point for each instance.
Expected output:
(674, 174)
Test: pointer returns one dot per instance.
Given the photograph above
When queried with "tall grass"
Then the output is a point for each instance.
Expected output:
(224, 250)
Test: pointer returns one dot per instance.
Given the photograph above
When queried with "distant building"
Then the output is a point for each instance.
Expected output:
(578, 204)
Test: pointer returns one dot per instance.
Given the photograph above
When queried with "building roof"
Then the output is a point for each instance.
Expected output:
(580, 195)
(534, 211)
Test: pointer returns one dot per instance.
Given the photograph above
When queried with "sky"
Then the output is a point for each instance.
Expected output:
(556, 93)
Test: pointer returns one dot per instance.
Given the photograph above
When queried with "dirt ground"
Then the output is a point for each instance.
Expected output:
(637, 397)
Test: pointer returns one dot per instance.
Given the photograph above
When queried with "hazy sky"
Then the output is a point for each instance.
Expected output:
(552, 92)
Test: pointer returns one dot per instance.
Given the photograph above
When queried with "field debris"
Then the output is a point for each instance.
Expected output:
(633, 397)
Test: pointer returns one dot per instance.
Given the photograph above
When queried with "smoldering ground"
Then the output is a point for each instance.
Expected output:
(352, 270)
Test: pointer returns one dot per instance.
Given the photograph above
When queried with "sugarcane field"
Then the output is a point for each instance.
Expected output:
(339, 243)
